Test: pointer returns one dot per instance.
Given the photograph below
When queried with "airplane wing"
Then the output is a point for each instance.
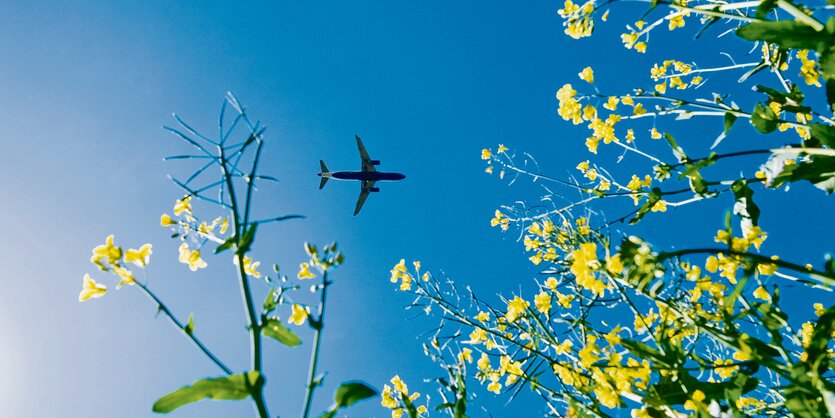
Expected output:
(366, 160)
(364, 192)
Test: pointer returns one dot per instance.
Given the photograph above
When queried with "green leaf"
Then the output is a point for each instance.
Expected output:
(246, 240)
(745, 206)
(764, 119)
(786, 33)
(352, 392)
(730, 118)
(652, 198)
(765, 7)
(233, 387)
(825, 134)
(348, 394)
(678, 151)
(273, 328)
(189, 328)
(818, 170)
(229, 243)
(269, 302)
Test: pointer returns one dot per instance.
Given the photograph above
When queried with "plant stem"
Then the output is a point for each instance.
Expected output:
(822, 277)
(254, 326)
(314, 354)
(164, 309)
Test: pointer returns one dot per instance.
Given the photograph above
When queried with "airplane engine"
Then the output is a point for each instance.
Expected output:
(374, 189)
(375, 162)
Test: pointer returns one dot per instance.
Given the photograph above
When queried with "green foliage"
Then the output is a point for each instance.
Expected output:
(348, 394)
(233, 387)
(189, 329)
(273, 328)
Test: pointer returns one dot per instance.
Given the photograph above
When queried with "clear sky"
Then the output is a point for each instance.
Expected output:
(86, 85)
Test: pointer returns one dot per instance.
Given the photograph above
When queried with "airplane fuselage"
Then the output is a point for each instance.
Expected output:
(365, 175)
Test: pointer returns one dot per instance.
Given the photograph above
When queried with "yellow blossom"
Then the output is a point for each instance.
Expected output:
(676, 20)
(501, 149)
(166, 220)
(91, 289)
(661, 87)
(495, 387)
(762, 293)
(183, 205)
(654, 134)
(516, 308)
(108, 251)
(125, 275)
(250, 267)
(614, 265)
(465, 355)
(192, 258)
(542, 301)
(611, 103)
(140, 257)
(298, 315)
(587, 75)
(485, 154)
(304, 271)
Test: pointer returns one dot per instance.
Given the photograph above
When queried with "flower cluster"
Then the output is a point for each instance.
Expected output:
(109, 257)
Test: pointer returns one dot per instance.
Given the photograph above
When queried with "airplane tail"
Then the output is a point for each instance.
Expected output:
(324, 170)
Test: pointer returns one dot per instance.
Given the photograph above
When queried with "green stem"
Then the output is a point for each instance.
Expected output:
(254, 326)
(318, 325)
(164, 309)
(822, 277)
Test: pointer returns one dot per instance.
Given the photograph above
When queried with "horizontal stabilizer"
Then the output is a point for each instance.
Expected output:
(324, 167)
(322, 182)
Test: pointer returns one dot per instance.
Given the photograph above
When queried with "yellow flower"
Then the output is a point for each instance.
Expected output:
(192, 258)
(304, 271)
(676, 20)
(630, 135)
(140, 257)
(465, 355)
(542, 301)
(183, 205)
(654, 134)
(659, 206)
(501, 149)
(614, 265)
(166, 220)
(516, 308)
(109, 251)
(551, 283)
(250, 268)
(495, 387)
(298, 315)
(661, 87)
(762, 294)
(587, 75)
(483, 316)
(808, 68)
(627, 100)
(611, 103)
(819, 309)
(125, 275)
(639, 109)
(641, 47)
(91, 289)
(388, 400)
(583, 166)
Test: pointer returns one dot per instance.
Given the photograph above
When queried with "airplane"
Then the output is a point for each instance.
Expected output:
(369, 175)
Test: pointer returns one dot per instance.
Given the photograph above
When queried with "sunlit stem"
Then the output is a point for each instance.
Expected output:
(318, 324)
(800, 15)
(254, 326)
(824, 278)
(164, 309)
(711, 70)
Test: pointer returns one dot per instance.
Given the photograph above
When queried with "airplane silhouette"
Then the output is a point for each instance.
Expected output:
(369, 176)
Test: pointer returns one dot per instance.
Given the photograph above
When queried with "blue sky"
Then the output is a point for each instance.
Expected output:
(86, 86)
